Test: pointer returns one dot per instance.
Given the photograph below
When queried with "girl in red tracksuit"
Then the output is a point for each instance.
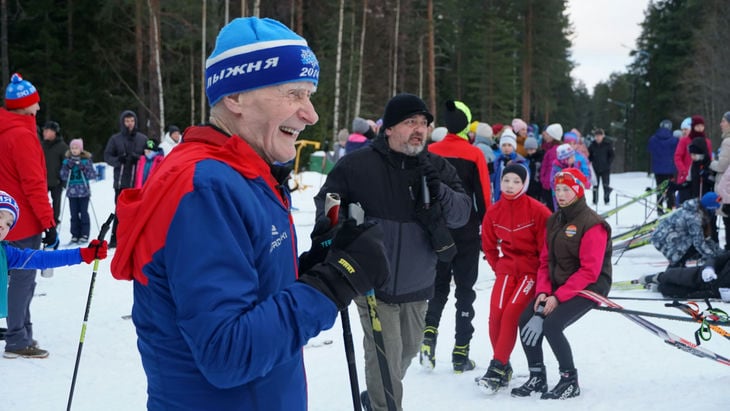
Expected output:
(514, 225)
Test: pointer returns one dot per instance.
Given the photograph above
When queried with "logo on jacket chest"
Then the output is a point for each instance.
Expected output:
(571, 230)
(277, 238)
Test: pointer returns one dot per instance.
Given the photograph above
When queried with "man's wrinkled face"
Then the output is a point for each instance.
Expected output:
(408, 136)
(271, 118)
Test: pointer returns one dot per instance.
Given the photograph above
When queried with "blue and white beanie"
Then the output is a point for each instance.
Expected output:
(7, 203)
(252, 53)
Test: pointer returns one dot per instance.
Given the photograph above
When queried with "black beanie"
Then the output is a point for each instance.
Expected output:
(520, 170)
(402, 107)
(455, 119)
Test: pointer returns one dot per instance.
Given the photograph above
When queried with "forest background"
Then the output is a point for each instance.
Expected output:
(91, 60)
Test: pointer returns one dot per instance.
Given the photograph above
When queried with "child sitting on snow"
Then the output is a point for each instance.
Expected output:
(14, 258)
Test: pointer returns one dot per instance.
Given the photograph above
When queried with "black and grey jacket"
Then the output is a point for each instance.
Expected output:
(388, 185)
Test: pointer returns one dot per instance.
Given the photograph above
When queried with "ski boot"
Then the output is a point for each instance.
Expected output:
(427, 356)
(566, 388)
(536, 383)
(460, 359)
(507, 375)
(495, 377)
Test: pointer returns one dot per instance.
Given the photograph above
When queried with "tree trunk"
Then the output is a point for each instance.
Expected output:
(431, 60)
(348, 104)
(139, 60)
(338, 68)
(157, 104)
(202, 61)
(300, 17)
(527, 64)
(394, 90)
(256, 8)
(4, 42)
(358, 95)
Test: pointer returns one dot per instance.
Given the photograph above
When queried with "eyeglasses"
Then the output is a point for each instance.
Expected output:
(415, 122)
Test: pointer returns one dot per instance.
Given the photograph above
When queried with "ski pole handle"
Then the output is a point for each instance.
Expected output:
(105, 227)
(332, 207)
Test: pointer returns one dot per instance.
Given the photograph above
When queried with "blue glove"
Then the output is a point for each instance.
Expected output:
(532, 331)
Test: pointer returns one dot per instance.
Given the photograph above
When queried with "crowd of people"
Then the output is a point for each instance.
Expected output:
(223, 303)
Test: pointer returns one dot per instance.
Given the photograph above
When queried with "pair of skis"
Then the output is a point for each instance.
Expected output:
(667, 336)
(648, 193)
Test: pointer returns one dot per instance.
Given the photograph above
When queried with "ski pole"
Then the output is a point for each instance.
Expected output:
(102, 234)
(331, 210)
(91, 202)
(356, 212)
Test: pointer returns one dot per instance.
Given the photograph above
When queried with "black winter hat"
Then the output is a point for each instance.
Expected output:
(52, 125)
(698, 146)
(518, 169)
(402, 107)
(455, 118)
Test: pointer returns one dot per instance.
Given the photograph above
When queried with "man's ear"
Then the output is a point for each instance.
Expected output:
(232, 102)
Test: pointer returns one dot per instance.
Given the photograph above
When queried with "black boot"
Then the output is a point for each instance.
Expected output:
(566, 388)
(536, 383)
(606, 195)
(507, 375)
(427, 356)
(460, 359)
(595, 195)
(493, 379)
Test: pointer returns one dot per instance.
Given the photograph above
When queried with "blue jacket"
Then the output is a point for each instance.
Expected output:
(12, 258)
(210, 243)
(661, 146)
(78, 171)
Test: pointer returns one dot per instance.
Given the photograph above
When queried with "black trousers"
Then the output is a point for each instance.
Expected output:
(670, 197)
(565, 314)
(464, 269)
(56, 192)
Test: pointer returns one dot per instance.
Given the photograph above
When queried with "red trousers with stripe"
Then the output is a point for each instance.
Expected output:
(510, 296)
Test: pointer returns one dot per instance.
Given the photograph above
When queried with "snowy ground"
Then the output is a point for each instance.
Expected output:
(621, 366)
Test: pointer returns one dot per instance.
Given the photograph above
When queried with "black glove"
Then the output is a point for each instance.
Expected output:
(433, 222)
(355, 264)
(321, 236)
(134, 158)
(50, 237)
(433, 181)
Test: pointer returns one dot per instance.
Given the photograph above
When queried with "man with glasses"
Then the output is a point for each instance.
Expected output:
(415, 196)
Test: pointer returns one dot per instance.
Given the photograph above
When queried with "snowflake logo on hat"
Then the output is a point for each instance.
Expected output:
(308, 57)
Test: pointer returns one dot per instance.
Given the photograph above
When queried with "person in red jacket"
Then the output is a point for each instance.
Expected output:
(514, 225)
(23, 176)
(576, 256)
(471, 166)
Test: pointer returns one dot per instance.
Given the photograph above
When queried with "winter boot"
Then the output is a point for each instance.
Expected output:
(566, 388)
(460, 359)
(595, 195)
(536, 383)
(492, 381)
(507, 375)
(427, 356)
(606, 195)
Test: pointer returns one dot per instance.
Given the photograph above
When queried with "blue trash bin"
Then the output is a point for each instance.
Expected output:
(100, 172)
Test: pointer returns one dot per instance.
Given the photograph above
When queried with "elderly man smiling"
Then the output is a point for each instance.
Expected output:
(222, 307)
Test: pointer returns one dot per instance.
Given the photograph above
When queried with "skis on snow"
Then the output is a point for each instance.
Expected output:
(668, 337)
(648, 193)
